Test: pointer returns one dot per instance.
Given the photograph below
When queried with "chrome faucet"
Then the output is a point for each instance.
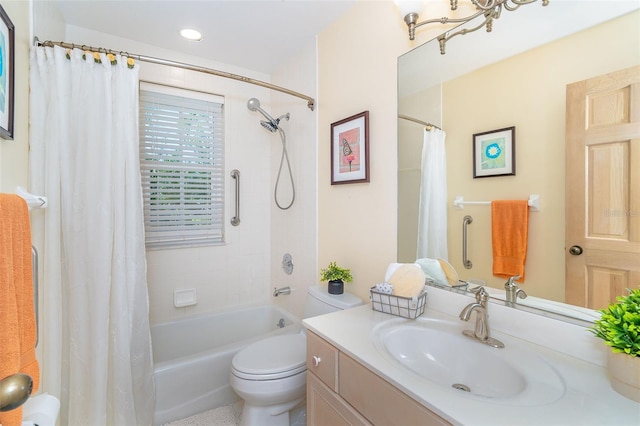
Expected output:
(481, 332)
(512, 290)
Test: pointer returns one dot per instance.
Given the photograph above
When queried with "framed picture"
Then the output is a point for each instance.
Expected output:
(494, 153)
(7, 48)
(350, 149)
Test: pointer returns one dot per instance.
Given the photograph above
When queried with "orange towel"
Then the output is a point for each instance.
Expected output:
(509, 233)
(17, 315)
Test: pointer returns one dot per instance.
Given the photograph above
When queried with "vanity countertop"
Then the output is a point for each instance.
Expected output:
(588, 398)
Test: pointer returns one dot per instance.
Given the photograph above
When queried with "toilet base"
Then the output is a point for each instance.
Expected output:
(272, 415)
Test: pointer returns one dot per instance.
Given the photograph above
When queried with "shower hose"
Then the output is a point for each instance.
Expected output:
(285, 156)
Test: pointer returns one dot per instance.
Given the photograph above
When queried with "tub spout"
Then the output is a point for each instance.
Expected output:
(282, 290)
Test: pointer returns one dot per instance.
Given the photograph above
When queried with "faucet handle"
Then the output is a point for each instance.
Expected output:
(481, 294)
(510, 281)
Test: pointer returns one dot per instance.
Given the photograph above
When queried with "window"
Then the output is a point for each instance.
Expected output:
(182, 166)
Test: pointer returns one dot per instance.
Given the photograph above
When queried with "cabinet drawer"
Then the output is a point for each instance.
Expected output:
(322, 360)
(326, 408)
(378, 400)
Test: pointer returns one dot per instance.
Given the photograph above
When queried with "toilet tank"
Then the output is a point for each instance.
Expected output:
(320, 302)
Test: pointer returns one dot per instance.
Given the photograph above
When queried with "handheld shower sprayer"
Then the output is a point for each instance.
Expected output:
(273, 125)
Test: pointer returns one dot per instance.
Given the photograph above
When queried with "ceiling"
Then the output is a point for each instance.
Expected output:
(259, 35)
(425, 67)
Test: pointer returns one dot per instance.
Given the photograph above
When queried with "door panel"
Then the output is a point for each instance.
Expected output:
(603, 188)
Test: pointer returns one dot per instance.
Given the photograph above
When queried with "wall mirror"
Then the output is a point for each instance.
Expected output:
(514, 76)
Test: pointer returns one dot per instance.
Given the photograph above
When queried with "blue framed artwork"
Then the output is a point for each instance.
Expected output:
(7, 49)
(494, 153)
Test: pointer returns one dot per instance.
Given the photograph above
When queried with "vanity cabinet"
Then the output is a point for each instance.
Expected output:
(341, 391)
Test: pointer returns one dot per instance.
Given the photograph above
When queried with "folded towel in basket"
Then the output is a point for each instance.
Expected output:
(384, 287)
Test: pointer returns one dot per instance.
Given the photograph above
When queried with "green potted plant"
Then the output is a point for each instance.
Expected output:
(336, 277)
(619, 327)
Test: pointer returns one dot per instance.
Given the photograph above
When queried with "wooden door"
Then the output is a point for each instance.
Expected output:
(602, 245)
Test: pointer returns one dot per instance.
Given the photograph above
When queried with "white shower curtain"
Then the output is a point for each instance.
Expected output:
(432, 219)
(94, 330)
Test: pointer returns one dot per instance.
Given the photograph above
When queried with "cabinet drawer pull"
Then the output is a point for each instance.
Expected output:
(316, 360)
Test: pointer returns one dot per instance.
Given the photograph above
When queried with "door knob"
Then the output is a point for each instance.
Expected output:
(575, 250)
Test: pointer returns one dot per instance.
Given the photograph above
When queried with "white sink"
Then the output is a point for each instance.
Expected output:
(437, 352)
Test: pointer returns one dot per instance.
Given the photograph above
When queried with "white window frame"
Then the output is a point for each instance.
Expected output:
(182, 152)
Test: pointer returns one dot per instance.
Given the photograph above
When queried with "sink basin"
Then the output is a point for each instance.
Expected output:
(436, 351)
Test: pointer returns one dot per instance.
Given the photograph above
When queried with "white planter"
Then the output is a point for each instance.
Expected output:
(624, 371)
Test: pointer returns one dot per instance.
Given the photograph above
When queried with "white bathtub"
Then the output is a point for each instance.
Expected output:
(193, 356)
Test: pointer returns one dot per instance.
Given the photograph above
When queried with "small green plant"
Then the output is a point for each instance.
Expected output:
(335, 273)
(619, 324)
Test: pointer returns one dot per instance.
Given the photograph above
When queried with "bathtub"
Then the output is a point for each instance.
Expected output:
(192, 357)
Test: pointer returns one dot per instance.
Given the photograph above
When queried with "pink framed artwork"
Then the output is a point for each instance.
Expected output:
(350, 149)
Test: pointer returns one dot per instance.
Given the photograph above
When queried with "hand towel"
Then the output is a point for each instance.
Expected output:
(17, 315)
(509, 234)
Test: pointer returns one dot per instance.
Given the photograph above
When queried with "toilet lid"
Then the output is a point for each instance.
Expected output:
(272, 358)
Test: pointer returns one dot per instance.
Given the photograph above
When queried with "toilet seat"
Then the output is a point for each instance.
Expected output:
(271, 358)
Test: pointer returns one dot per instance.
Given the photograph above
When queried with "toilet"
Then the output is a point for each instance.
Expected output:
(270, 375)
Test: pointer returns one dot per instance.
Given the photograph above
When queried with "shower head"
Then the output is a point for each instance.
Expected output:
(270, 123)
(254, 105)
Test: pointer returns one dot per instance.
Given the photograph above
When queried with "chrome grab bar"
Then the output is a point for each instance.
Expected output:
(235, 173)
(34, 266)
(466, 262)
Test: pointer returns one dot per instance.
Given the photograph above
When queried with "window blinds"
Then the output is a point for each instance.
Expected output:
(182, 166)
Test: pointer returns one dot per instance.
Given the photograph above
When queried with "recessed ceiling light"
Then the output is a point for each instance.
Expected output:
(191, 34)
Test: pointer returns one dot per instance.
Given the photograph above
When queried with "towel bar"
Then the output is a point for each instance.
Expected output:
(534, 202)
(37, 201)
(34, 266)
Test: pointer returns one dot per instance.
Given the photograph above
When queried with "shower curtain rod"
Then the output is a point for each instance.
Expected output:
(310, 101)
(429, 126)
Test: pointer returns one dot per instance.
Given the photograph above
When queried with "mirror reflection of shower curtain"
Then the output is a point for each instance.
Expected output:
(432, 216)
(84, 156)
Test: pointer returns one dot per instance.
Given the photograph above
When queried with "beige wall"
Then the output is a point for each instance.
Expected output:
(357, 60)
(531, 92)
(14, 153)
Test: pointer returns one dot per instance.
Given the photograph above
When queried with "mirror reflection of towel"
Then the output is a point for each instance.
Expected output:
(509, 234)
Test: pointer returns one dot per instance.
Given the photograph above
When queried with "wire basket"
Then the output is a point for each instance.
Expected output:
(406, 307)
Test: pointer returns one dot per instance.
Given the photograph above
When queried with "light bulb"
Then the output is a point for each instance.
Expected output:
(191, 34)
(409, 6)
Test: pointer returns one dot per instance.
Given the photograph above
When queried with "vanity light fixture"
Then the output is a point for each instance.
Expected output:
(191, 34)
(491, 10)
